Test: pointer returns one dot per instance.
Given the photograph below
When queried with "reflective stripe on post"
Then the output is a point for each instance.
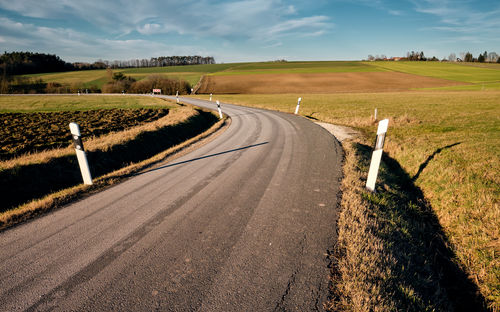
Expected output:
(298, 105)
(377, 155)
(218, 108)
(80, 153)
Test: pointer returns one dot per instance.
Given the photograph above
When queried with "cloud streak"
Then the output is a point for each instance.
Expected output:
(203, 17)
(460, 17)
(262, 22)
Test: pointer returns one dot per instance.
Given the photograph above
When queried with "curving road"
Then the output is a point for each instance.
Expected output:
(243, 223)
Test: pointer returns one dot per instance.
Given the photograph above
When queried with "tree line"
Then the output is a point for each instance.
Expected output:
(22, 63)
(491, 57)
(161, 61)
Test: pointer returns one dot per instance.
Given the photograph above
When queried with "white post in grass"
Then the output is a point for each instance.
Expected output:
(218, 108)
(298, 105)
(210, 97)
(377, 155)
(80, 153)
(375, 117)
(177, 96)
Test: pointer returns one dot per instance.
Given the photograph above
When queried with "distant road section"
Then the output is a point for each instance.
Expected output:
(243, 223)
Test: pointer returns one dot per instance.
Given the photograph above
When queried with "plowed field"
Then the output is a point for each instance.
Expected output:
(31, 132)
(319, 83)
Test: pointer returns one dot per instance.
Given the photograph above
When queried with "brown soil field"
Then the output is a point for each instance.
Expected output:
(319, 83)
(34, 132)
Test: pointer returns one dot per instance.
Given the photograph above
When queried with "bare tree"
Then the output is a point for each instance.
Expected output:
(492, 57)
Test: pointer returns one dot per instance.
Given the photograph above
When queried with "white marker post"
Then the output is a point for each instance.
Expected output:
(218, 108)
(210, 97)
(80, 153)
(377, 155)
(375, 117)
(177, 96)
(298, 105)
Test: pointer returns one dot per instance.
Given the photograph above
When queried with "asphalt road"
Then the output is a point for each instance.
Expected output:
(243, 223)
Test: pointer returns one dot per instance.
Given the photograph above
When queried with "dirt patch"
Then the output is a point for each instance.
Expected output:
(341, 133)
(320, 83)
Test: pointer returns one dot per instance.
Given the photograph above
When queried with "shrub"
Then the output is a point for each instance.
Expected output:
(167, 86)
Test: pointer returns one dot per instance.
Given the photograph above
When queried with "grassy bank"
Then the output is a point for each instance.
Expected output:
(392, 253)
(448, 143)
(37, 182)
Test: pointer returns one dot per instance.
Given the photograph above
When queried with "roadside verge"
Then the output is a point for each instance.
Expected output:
(392, 254)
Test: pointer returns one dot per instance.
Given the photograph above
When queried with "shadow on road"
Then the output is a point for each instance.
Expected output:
(203, 157)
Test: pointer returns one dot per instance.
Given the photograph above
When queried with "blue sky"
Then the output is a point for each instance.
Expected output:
(250, 30)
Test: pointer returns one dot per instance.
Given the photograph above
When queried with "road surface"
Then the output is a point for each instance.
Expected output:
(243, 223)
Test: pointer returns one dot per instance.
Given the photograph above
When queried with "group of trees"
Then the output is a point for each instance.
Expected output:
(160, 61)
(410, 56)
(118, 82)
(491, 57)
(21, 63)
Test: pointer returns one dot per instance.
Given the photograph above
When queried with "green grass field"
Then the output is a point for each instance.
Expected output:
(48, 103)
(444, 70)
(88, 78)
(298, 68)
(481, 76)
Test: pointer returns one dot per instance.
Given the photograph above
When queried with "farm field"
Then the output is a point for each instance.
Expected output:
(297, 68)
(327, 76)
(318, 82)
(88, 78)
(464, 72)
(50, 103)
(447, 142)
(40, 131)
(330, 77)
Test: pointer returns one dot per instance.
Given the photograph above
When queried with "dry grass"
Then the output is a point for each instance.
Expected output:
(448, 143)
(55, 200)
(392, 254)
(319, 83)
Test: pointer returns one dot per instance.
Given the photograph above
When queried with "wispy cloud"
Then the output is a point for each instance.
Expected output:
(77, 46)
(462, 18)
(261, 22)
(203, 17)
(304, 25)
